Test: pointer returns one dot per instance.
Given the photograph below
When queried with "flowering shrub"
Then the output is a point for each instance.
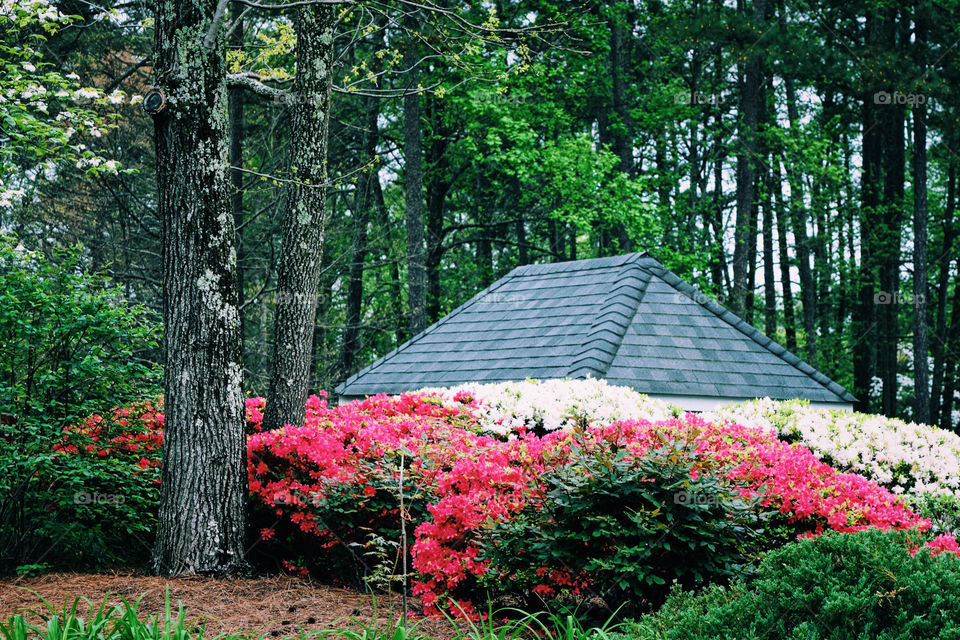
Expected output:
(338, 477)
(549, 405)
(586, 509)
(905, 457)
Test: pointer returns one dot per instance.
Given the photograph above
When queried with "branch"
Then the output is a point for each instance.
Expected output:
(252, 82)
(126, 74)
(211, 38)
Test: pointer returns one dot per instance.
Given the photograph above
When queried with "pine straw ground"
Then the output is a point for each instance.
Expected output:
(274, 606)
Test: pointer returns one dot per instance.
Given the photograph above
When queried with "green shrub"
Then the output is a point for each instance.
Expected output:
(632, 523)
(839, 586)
(72, 347)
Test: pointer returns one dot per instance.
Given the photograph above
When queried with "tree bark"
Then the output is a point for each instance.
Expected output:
(413, 182)
(921, 388)
(298, 274)
(943, 283)
(358, 246)
(789, 315)
(203, 479)
(235, 102)
(747, 160)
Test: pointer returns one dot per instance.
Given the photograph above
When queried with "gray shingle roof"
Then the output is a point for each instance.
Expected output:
(626, 319)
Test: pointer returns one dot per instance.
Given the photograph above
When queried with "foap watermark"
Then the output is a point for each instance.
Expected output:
(94, 497)
(687, 497)
(895, 297)
(699, 297)
(696, 98)
(506, 298)
(911, 99)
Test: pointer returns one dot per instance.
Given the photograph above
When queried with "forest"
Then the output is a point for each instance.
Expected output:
(796, 161)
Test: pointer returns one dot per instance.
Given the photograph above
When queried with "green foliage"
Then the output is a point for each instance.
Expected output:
(72, 348)
(633, 523)
(943, 511)
(844, 586)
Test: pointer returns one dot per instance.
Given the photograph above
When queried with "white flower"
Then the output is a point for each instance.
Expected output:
(136, 99)
(87, 93)
(116, 97)
(555, 404)
(29, 67)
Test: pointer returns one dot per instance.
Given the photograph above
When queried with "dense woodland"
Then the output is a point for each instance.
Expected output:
(796, 161)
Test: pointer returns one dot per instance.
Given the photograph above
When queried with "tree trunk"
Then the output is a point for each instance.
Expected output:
(789, 316)
(298, 274)
(747, 160)
(622, 142)
(798, 216)
(413, 180)
(203, 480)
(943, 283)
(358, 246)
(953, 375)
(921, 388)
(235, 101)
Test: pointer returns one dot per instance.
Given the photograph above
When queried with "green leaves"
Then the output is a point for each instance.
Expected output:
(626, 523)
(72, 347)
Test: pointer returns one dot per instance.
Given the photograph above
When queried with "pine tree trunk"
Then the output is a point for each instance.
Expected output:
(747, 161)
(298, 275)
(358, 246)
(413, 183)
(943, 282)
(203, 481)
(789, 315)
(921, 388)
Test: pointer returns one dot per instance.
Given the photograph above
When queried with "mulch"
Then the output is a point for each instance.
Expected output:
(271, 607)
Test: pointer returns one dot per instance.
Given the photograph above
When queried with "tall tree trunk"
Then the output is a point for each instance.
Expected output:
(921, 388)
(203, 479)
(298, 275)
(943, 283)
(789, 316)
(769, 285)
(798, 215)
(413, 180)
(364, 202)
(235, 101)
(622, 140)
(864, 323)
(747, 160)
(952, 376)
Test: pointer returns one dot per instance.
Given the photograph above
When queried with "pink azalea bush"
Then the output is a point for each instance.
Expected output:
(326, 492)
(460, 480)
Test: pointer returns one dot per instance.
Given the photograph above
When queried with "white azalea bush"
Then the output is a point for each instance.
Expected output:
(549, 405)
(909, 458)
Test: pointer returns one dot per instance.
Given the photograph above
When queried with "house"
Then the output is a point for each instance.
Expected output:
(626, 319)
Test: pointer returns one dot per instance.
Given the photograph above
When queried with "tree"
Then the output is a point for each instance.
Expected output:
(303, 221)
(201, 519)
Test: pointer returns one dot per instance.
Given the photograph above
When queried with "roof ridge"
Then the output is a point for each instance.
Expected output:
(385, 358)
(728, 316)
(588, 264)
(611, 322)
